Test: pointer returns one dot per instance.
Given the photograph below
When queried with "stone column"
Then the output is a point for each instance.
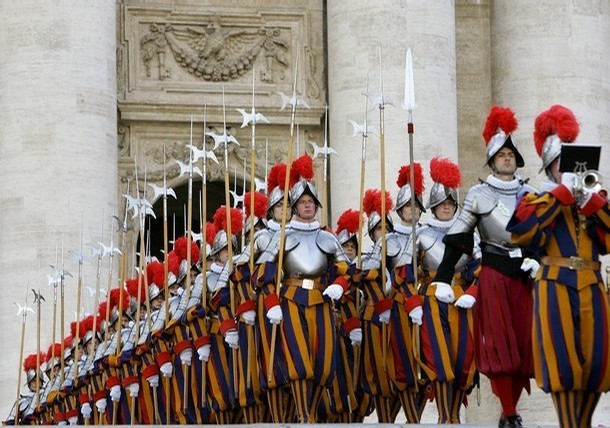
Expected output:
(355, 31)
(58, 155)
(546, 53)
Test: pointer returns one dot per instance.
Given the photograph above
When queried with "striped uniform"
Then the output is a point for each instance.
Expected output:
(571, 332)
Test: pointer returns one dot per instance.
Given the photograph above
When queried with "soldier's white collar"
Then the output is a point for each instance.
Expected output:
(504, 185)
(402, 229)
(440, 224)
(273, 225)
(299, 225)
(216, 268)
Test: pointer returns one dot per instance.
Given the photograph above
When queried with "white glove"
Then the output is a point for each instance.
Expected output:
(232, 339)
(167, 369)
(73, 420)
(115, 393)
(334, 291)
(204, 353)
(356, 336)
(275, 314)
(416, 315)
(249, 317)
(587, 195)
(186, 357)
(101, 405)
(86, 410)
(388, 283)
(134, 389)
(153, 381)
(531, 266)
(465, 301)
(62, 423)
(443, 292)
(568, 179)
(384, 317)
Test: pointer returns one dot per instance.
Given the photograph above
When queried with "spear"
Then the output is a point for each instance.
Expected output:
(23, 310)
(38, 299)
(409, 105)
(100, 255)
(294, 102)
(251, 118)
(123, 267)
(53, 281)
(383, 202)
(80, 257)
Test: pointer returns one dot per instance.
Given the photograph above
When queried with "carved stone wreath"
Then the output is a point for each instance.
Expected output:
(211, 52)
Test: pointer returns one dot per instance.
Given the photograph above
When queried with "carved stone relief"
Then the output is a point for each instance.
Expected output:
(213, 52)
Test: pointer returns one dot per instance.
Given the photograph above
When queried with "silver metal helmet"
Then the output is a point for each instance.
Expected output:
(550, 151)
(220, 242)
(154, 291)
(404, 196)
(345, 236)
(374, 220)
(275, 197)
(257, 220)
(440, 193)
(30, 375)
(499, 141)
(301, 188)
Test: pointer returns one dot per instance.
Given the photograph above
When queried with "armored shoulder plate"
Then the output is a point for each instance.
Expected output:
(527, 188)
(128, 336)
(372, 258)
(394, 244)
(329, 244)
(292, 239)
(480, 199)
(427, 238)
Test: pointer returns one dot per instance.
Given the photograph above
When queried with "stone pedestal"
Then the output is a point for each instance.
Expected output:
(58, 156)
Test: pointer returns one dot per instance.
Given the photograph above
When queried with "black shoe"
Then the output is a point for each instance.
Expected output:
(502, 422)
(513, 422)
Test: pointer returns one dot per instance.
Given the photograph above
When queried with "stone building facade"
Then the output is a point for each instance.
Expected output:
(91, 89)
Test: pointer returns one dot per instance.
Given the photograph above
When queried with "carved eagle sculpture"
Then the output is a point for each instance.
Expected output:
(213, 53)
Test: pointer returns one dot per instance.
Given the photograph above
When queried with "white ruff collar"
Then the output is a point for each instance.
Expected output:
(402, 229)
(216, 268)
(299, 225)
(514, 184)
(441, 225)
(273, 225)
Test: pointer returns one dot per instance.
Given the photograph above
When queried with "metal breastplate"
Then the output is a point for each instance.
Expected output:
(492, 226)
(213, 280)
(433, 248)
(306, 259)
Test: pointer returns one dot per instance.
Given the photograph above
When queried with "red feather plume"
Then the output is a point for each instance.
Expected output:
(372, 202)
(557, 120)
(404, 177)
(260, 204)
(173, 262)
(101, 310)
(30, 362)
(210, 233)
(276, 177)
(445, 172)
(132, 288)
(220, 220)
(302, 167)
(349, 221)
(55, 348)
(180, 246)
(155, 272)
(499, 117)
(115, 298)
(68, 341)
(81, 329)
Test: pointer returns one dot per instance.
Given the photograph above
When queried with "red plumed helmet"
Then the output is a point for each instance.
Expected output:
(180, 246)
(558, 120)
(499, 118)
(372, 202)
(349, 221)
(302, 167)
(210, 233)
(155, 272)
(55, 348)
(260, 204)
(220, 220)
(132, 287)
(404, 177)
(173, 262)
(30, 362)
(68, 341)
(115, 298)
(276, 177)
(445, 172)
